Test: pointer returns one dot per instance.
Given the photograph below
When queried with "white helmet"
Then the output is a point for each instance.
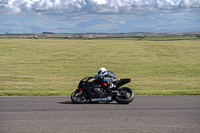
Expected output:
(101, 70)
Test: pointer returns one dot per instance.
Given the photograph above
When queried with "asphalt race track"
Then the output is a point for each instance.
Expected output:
(146, 114)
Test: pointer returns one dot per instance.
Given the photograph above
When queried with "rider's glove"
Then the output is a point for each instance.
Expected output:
(90, 77)
(101, 77)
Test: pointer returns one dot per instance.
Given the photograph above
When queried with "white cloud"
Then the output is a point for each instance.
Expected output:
(95, 4)
(76, 8)
(100, 1)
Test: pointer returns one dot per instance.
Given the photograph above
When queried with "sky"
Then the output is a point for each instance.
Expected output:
(73, 11)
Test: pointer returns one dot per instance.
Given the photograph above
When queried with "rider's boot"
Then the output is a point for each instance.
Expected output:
(110, 87)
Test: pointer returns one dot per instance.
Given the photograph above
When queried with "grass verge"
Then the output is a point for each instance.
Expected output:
(53, 67)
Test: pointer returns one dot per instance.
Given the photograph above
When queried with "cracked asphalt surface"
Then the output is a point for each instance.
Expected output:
(146, 114)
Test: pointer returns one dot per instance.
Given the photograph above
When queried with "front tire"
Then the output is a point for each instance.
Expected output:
(126, 96)
(79, 98)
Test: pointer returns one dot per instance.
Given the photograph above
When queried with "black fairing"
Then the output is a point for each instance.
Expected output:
(123, 81)
(94, 85)
(85, 84)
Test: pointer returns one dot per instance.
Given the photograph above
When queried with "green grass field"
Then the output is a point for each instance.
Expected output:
(54, 67)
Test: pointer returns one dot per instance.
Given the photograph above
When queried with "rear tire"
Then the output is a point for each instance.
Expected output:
(78, 98)
(125, 98)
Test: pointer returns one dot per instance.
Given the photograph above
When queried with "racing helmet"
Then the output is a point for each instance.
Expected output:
(101, 70)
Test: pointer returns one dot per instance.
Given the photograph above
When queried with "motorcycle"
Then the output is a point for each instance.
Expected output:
(95, 91)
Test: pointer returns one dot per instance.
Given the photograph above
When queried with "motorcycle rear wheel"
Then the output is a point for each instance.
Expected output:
(126, 97)
(79, 98)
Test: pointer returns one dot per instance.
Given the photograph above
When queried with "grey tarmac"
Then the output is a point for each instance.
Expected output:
(146, 114)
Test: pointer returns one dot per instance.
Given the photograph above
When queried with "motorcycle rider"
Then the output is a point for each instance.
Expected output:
(107, 77)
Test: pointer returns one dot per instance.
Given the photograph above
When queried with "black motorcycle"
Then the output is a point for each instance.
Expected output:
(95, 91)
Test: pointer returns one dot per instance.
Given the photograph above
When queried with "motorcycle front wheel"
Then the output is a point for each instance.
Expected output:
(126, 96)
(79, 97)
